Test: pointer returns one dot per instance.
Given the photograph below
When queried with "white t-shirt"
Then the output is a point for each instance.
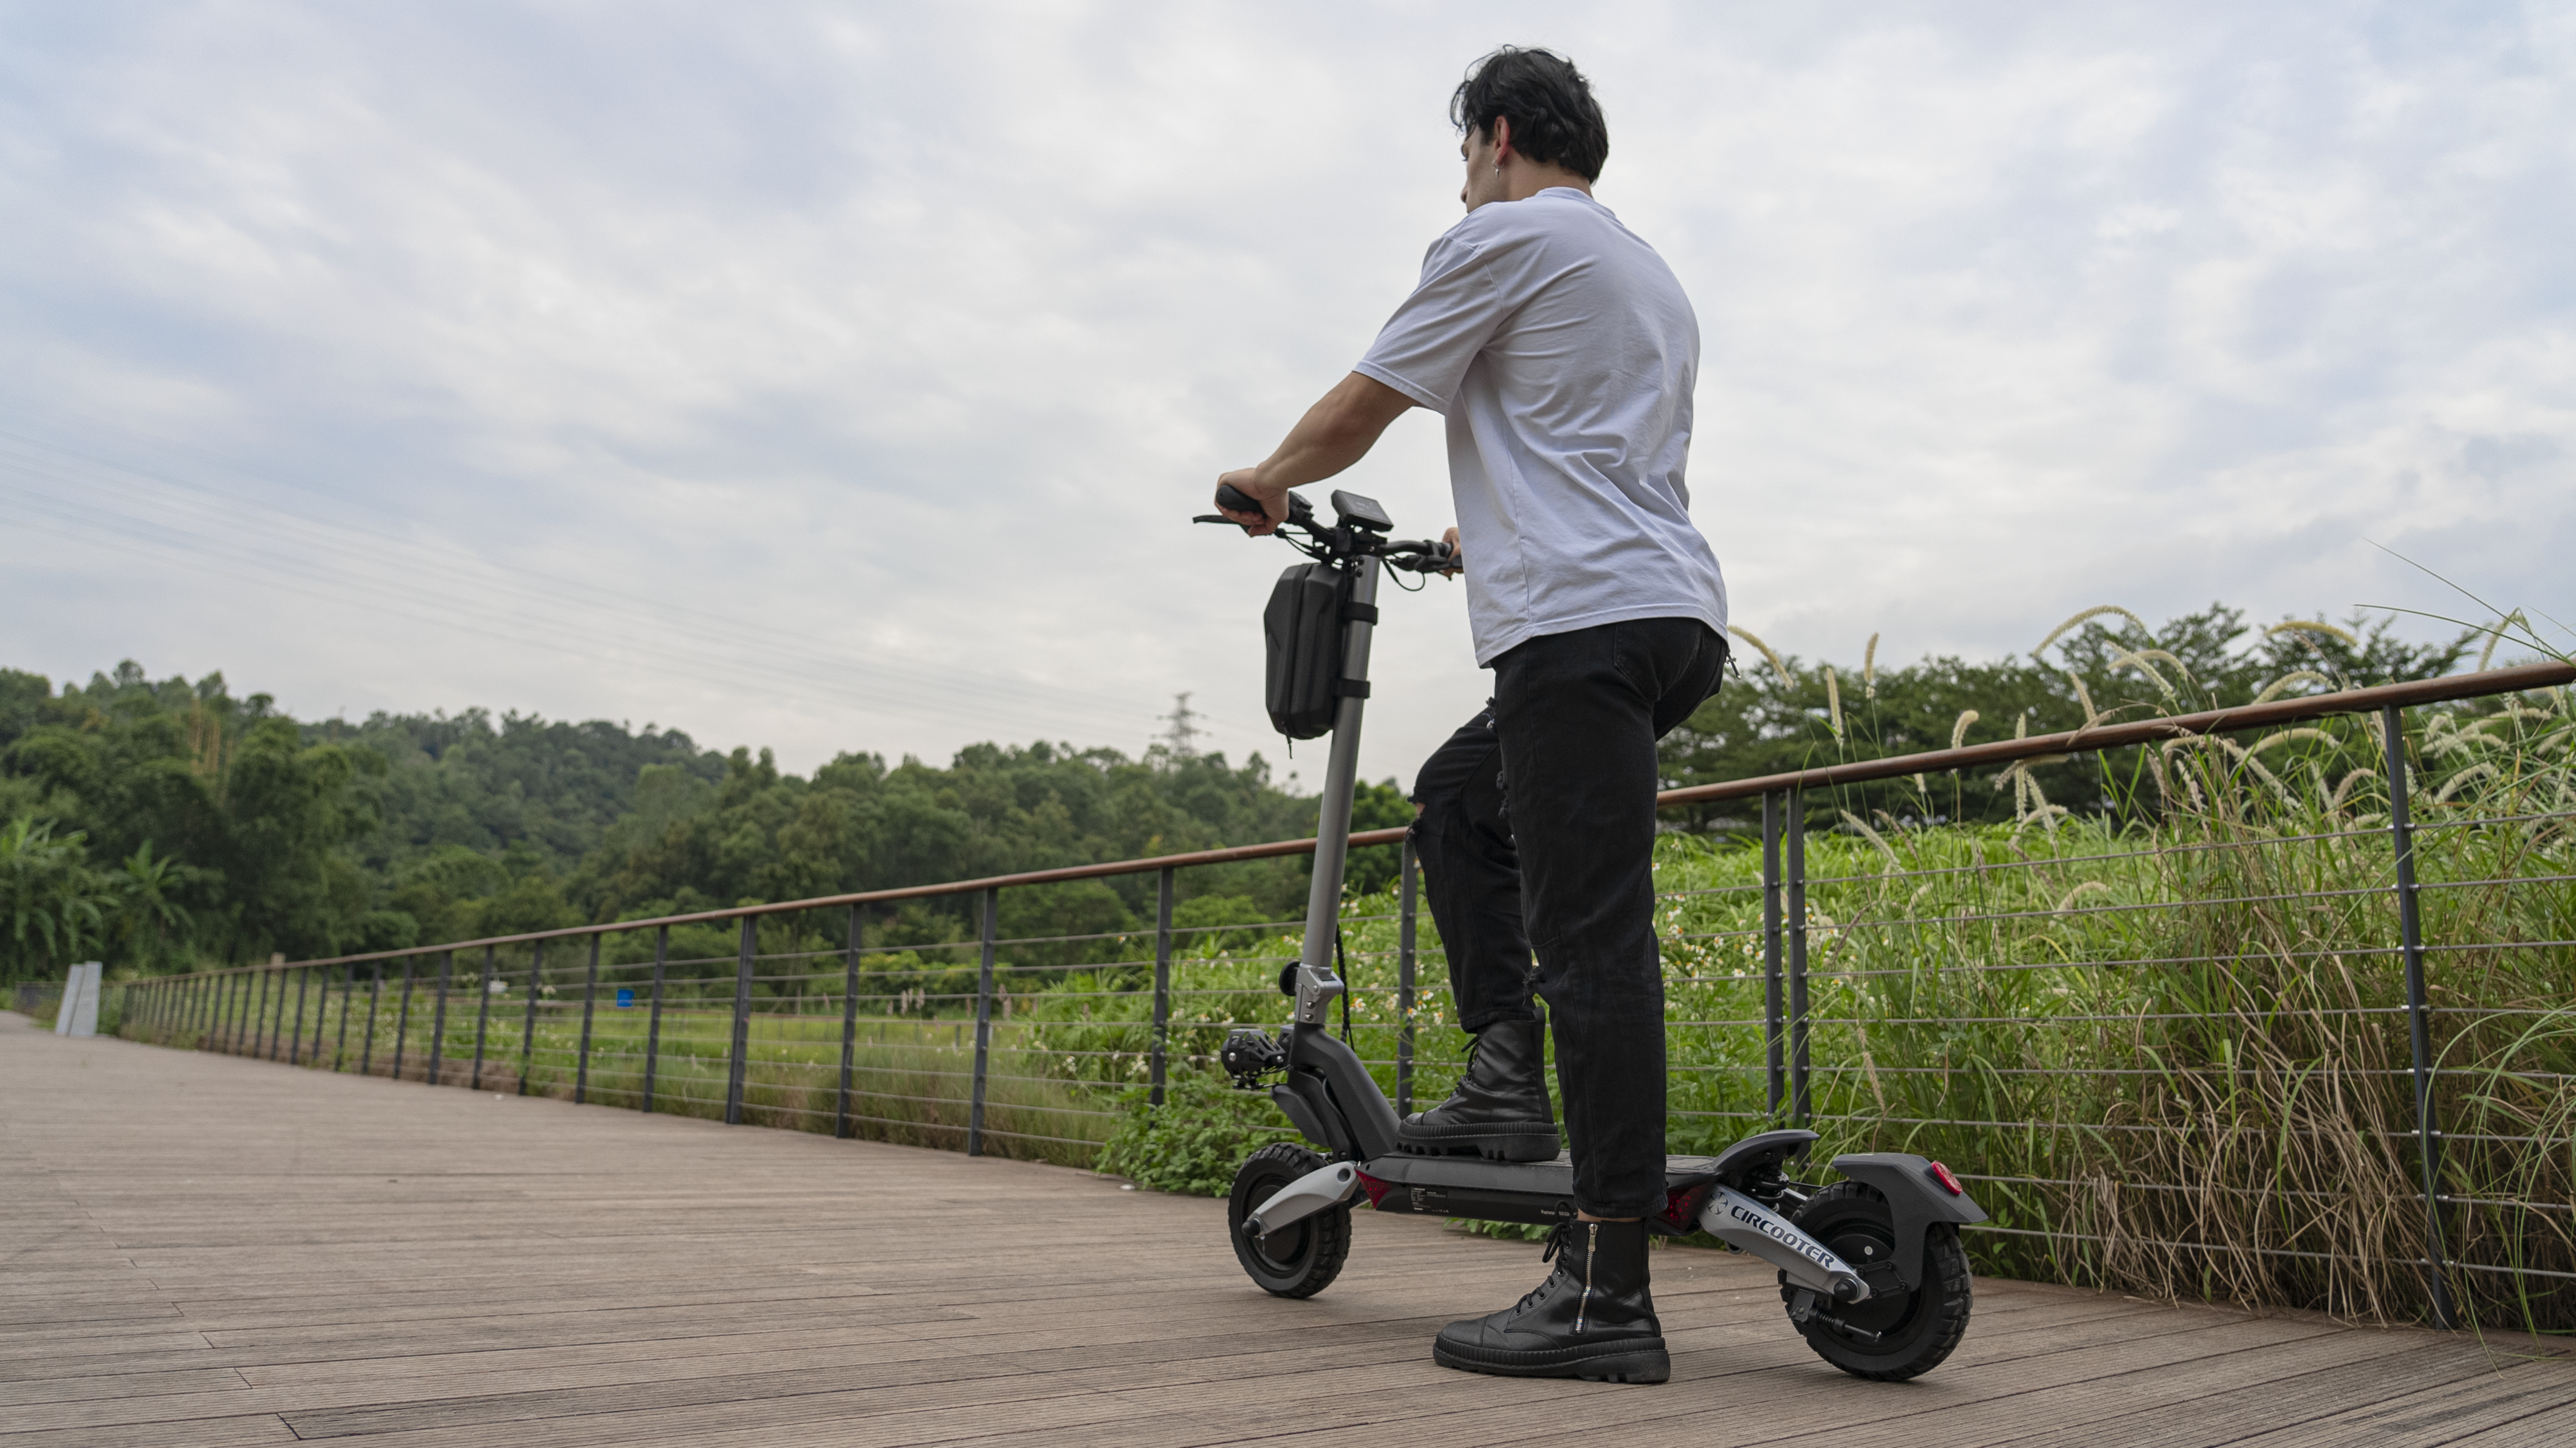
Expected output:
(1562, 352)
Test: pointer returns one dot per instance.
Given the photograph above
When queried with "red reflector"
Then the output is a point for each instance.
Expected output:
(1375, 1188)
(1942, 1175)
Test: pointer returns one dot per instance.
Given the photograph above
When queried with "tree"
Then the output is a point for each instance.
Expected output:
(151, 923)
(52, 906)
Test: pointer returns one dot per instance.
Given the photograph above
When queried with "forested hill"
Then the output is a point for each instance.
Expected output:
(158, 825)
(170, 822)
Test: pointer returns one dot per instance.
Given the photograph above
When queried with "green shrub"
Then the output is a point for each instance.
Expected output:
(1192, 1143)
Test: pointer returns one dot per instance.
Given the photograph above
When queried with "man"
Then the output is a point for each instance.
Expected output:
(1562, 353)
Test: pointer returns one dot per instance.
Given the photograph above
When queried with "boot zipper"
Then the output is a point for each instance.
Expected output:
(1592, 1249)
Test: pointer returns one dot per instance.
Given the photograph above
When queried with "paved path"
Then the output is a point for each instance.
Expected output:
(206, 1250)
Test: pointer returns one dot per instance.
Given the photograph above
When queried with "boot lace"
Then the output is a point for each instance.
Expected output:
(1556, 1241)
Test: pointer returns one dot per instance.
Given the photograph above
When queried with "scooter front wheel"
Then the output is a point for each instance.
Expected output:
(1896, 1334)
(1302, 1258)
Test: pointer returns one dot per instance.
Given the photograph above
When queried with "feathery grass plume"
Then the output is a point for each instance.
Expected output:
(2084, 696)
(2310, 625)
(2067, 902)
(2060, 631)
(2287, 735)
(2138, 660)
(2495, 635)
(2470, 775)
(2281, 685)
(1777, 667)
(1869, 669)
(2168, 656)
(1833, 702)
(2040, 809)
(1861, 827)
(1959, 731)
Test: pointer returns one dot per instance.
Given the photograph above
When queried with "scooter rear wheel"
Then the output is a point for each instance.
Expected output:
(1302, 1258)
(1914, 1330)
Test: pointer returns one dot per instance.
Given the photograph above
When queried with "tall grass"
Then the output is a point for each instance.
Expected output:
(2175, 1053)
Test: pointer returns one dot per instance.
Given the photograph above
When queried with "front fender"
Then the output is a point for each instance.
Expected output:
(1915, 1196)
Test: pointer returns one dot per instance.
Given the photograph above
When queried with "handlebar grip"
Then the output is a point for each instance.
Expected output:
(1233, 501)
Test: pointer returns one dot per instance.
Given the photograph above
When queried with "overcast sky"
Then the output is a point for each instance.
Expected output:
(842, 377)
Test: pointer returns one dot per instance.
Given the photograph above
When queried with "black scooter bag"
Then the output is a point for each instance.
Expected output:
(1303, 627)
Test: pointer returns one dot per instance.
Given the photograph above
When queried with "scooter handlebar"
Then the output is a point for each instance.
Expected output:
(1411, 555)
(1300, 512)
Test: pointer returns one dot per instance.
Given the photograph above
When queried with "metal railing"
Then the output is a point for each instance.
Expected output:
(2255, 1047)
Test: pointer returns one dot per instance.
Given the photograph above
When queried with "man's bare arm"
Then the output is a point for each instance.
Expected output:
(1335, 433)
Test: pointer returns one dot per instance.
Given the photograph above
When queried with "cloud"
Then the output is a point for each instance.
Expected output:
(841, 377)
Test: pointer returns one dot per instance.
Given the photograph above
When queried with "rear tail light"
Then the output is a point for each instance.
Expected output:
(1948, 1182)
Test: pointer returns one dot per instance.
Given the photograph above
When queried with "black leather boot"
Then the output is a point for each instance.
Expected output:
(1500, 1109)
(1592, 1318)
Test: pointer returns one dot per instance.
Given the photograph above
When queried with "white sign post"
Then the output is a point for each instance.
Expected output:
(79, 1013)
(70, 1001)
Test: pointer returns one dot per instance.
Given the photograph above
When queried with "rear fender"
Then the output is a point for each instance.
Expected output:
(1916, 1198)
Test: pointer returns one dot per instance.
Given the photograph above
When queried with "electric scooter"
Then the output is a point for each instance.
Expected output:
(1871, 1268)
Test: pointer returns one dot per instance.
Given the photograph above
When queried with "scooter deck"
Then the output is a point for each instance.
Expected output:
(1498, 1191)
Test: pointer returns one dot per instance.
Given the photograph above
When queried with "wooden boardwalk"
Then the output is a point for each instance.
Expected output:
(204, 1250)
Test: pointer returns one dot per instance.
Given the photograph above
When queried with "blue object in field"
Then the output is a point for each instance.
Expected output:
(625, 997)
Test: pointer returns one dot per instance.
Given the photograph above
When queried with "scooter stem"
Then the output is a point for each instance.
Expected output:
(1317, 983)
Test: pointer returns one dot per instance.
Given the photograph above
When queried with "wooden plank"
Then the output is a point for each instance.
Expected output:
(224, 1251)
(2512, 1398)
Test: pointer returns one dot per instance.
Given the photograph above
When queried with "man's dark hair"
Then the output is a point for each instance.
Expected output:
(1554, 119)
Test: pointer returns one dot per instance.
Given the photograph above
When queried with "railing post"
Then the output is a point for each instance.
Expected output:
(259, 1016)
(1774, 1009)
(589, 1003)
(321, 1012)
(277, 1030)
(849, 1027)
(528, 1031)
(375, 995)
(983, 1021)
(402, 1016)
(2428, 1137)
(741, 1023)
(653, 1029)
(482, 1012)
(438, 1014)
(1407, 929)
(1799, 1103)
(349, 998)
(1158, 1065)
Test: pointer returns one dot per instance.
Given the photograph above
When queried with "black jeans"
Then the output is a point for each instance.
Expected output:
(1537, 837)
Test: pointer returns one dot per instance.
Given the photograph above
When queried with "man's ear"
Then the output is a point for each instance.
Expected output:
(1502, 139)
